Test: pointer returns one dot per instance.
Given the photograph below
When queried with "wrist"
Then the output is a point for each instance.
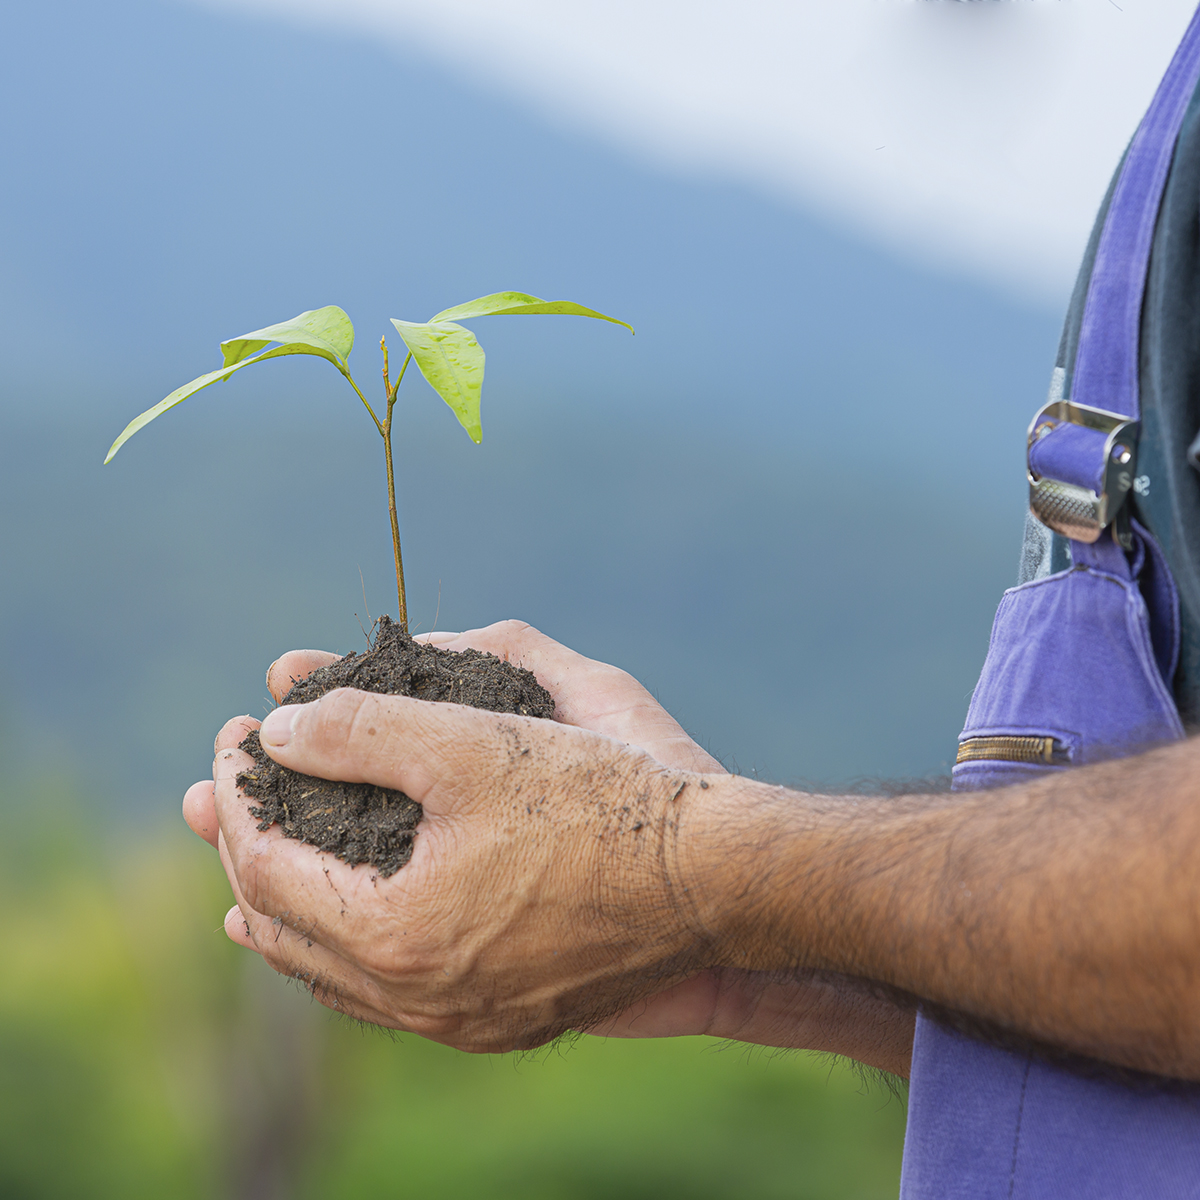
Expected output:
(739, 854)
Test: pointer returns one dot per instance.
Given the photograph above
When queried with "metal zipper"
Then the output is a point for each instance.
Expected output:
(1011, 749)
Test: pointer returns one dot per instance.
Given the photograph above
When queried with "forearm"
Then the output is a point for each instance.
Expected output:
(815, 1011)
(826, 1013)
(791, 1010)
(1067, 911)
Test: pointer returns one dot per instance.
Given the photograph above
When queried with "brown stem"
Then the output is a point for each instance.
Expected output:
(385, 430)
(391, 487)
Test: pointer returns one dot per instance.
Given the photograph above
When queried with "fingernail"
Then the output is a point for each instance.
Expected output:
(277, 728)
(269, 670)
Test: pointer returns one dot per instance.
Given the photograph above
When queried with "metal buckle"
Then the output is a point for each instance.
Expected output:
(1077, 512)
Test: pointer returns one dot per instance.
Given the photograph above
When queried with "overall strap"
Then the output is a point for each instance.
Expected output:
(1106, 364)
(1082, 449)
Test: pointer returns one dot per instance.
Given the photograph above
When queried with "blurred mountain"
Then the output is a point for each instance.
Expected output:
(789, 505)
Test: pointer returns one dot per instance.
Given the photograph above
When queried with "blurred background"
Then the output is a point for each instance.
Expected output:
(845, 235)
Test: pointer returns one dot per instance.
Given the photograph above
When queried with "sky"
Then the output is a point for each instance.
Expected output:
(789, 505)
(977, 135)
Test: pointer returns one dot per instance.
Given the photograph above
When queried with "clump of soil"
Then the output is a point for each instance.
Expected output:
(359, 822)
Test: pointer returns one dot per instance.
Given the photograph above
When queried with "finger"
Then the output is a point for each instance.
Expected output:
(237, 928)
(575, 681)
(233, 732)
(275, 876)
(228, 763)
(588, 693)
(293, 666)
(397, 742)
(200, 812)
(565, 674)
(332, 980)
(512, 641)
(559, 669)
(443, 755)
(199, 807)
(248, 928)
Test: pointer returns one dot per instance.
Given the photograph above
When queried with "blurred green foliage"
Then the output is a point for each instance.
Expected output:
(142, 1054)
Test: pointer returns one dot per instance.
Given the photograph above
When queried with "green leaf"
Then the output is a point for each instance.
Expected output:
(513, 304)
(176, 397)
(452, 361)
(325, 332)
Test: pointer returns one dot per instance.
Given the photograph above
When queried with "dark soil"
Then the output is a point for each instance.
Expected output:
(359, 822)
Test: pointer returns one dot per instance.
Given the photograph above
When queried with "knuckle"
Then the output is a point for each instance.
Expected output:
(516, 635)
(339, 706)
(514, 627)
(367, 723)
(339, 716)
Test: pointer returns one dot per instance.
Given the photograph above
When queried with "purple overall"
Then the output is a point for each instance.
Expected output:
(1082, 661)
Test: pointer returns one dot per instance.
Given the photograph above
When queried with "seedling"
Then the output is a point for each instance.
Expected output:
(445, 352)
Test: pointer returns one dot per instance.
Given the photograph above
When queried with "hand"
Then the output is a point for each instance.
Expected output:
(540, 895)
(833, 1013)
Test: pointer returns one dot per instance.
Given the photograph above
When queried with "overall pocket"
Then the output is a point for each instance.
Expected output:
(1071, 677)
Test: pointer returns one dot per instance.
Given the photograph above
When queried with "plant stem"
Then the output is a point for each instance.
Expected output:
(385, 430)
(378, 423)
(391, 486)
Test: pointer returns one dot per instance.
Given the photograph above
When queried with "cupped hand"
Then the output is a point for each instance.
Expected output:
(825, 1013)
(541, 895)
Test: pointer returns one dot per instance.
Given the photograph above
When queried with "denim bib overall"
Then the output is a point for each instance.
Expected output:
(1079, 669)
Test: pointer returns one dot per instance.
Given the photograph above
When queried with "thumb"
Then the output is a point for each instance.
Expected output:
(436, 753)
